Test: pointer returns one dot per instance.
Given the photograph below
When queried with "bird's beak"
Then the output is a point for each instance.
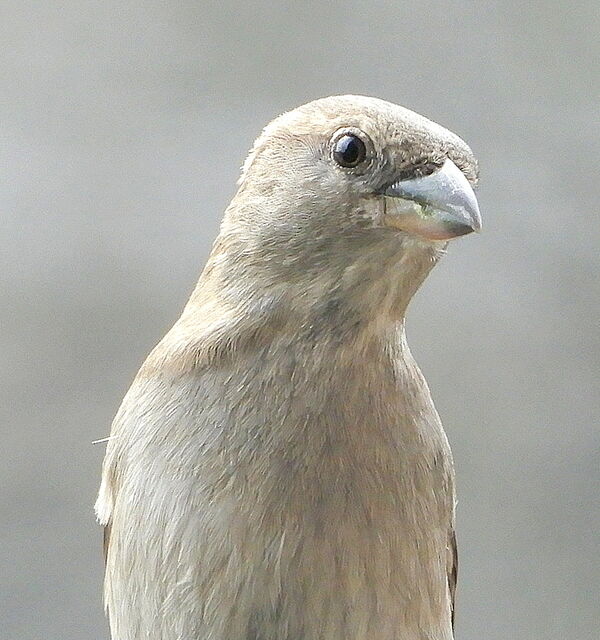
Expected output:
(439, 206)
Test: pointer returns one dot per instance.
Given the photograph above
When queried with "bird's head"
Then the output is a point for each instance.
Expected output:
(356, 160)
(351, 189)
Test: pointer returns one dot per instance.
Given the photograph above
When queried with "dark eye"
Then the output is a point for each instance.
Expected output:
(349, 151)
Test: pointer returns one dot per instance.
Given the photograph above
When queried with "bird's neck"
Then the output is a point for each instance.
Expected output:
(352, 279)
(343, 301)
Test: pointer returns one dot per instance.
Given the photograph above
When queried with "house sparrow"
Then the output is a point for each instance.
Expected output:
(277, 470)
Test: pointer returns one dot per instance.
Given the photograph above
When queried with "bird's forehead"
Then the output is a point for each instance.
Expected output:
(390, 127)
(381, 120)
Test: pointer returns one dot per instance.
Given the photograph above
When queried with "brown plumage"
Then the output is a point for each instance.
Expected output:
(277, 470)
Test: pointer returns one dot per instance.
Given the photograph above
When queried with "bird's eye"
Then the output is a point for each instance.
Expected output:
(349, 151)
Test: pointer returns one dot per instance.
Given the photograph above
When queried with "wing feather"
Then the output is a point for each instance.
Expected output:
(106, 542)
(452, 572)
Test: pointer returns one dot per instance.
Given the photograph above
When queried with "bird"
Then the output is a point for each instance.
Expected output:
(278, 470)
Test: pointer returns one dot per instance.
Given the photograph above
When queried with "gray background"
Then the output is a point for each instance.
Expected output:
(122, 129)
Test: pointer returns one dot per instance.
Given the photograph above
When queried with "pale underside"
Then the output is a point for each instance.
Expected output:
(241, 512)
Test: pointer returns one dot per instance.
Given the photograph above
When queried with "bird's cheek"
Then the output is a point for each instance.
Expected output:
(370, 213)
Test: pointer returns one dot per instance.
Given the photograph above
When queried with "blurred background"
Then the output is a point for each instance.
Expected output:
(122, 129)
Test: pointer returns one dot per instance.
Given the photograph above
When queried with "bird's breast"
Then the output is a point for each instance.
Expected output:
(301, 498)
(342, 500)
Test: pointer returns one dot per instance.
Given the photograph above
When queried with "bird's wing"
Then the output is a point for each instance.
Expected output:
(106, 542)
(452, 571)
